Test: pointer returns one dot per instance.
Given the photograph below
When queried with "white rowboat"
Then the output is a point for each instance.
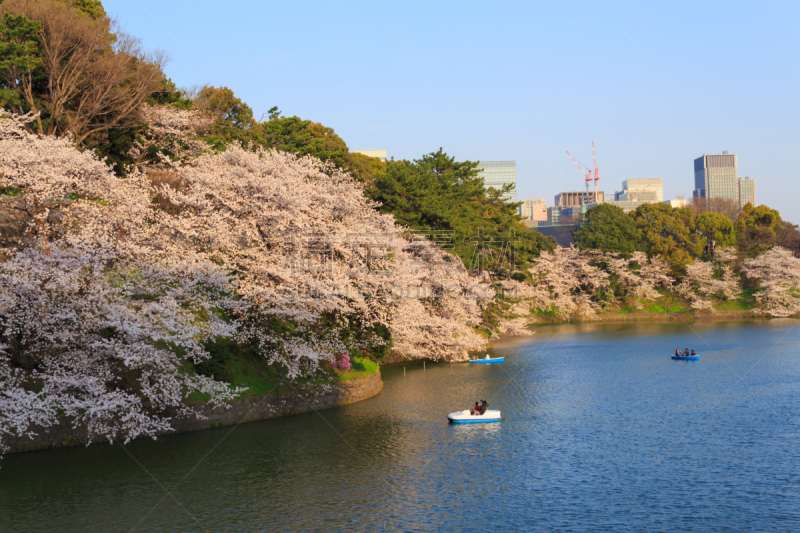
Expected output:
(463, 417)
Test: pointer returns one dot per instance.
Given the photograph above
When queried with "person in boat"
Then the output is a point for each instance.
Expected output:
(476, 410)
(686, 352)
(484, 405)
(693, 354)
(677, 352)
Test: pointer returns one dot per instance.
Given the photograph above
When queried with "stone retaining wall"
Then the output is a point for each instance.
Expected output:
(272, 405)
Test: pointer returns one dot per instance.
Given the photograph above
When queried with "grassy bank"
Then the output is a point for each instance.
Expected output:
(242, 369)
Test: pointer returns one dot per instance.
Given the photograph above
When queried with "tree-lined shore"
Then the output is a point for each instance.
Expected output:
(162, 248)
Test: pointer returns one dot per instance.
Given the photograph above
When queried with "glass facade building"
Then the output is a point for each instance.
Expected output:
(498, 173)
(716, 176)
(747, 192)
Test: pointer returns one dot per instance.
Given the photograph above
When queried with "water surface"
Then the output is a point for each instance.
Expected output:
(602, 432)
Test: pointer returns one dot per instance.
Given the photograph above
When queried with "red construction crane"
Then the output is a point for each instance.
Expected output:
(585, 171)
(596, 173)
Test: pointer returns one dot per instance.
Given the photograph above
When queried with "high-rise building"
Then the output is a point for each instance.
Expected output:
(715, 176)
(747, 191)
(496, 174)
(566, 199)
(533, 209)
(380, 154)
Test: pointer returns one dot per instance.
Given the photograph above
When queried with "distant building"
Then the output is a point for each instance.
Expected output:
(569, 198)
(747, 191)
(570, 215)
(641, 189)
(496, 174)
(630, 205)
(380, 154)
(554, 216)
(675, 203)
(637, 196)
(533, 209)
(715, 176)
(625, 205)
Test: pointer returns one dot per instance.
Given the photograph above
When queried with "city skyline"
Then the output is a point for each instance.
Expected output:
(631, 77)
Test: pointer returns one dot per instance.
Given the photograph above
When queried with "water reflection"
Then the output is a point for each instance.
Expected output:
(602, 431)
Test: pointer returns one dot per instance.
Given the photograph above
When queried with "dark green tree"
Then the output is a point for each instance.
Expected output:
(438, 193)
(93, 8)
(669, 233)
(717, 230)
(610, 229)
(304, 137)
(757, 228)
(19, 52)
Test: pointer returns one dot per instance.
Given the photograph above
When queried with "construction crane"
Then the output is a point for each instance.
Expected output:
(596, 172)
(587, 173)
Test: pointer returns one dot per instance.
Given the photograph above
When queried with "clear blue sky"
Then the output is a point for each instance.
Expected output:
(654, 84)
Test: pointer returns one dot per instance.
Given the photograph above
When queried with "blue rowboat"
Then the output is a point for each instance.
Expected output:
(463, 417)
(489, 361)
(686, 357)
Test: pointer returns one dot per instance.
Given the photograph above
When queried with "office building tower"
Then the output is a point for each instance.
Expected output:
(747, 192)
(715, 176)
(496, 174)
(380, 154)
(569, 198)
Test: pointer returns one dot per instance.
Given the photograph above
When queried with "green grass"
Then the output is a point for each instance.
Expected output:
(10, 191)
(745, 302)
(552, 311)
(668, 303)
(243, 369)
(485, 333)
(361, 367)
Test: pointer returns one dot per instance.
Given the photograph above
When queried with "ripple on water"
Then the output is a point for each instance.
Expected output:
(602, 432)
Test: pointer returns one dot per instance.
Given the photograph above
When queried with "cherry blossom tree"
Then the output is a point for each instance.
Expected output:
(640, 275)
(706, 281)
(92, 324)
(117, 283)
(778, 273)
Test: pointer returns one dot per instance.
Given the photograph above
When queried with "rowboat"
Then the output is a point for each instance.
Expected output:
(463, 417)
(488, 360)
(686, 357)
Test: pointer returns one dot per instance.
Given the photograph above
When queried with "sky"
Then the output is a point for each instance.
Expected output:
(654, 84)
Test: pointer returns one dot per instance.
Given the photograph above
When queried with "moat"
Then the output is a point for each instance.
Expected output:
(602, 431)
